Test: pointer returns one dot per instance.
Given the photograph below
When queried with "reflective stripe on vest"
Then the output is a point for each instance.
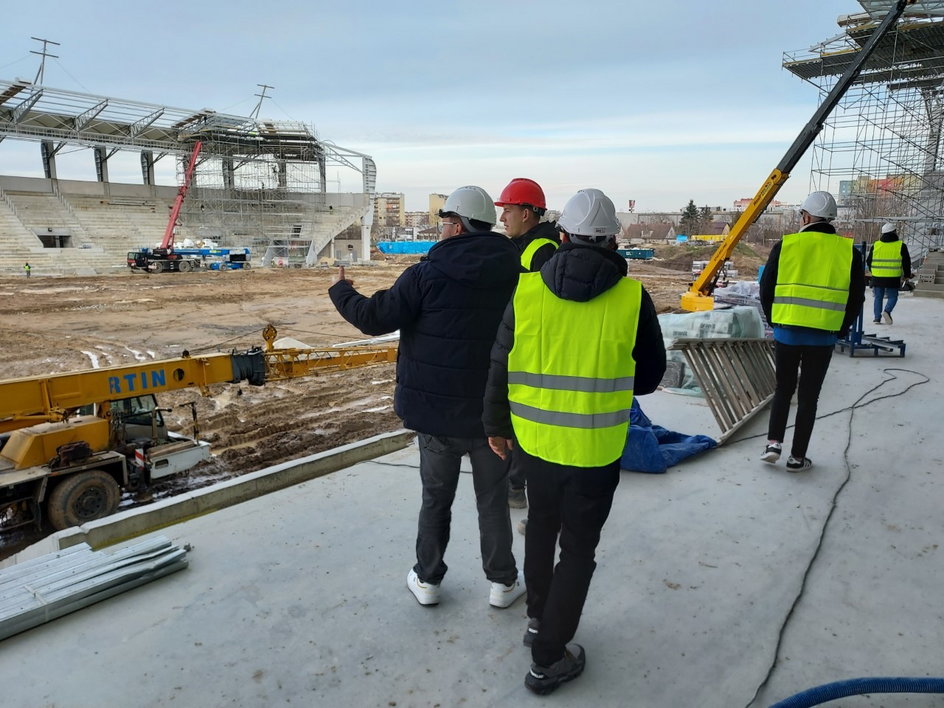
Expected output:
(527, 255)
(570, 372)
(886, 259)
(813, 277)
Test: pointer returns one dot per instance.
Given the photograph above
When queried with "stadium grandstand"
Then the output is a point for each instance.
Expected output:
(258, 183)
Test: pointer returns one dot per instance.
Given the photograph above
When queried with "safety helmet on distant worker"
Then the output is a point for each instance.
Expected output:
(590, 217)
(821, 205)
(889, 228)
(524, 192)
(470, 203)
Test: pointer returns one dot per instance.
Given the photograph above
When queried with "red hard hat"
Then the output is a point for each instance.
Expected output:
(523, 192)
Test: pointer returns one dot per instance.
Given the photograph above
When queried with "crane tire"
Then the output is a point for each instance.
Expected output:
(82, 497)
(185, 266)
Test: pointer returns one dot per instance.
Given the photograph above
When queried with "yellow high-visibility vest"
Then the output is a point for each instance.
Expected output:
(570, 372)
(813, 277)
(886, 259)
(527, 255)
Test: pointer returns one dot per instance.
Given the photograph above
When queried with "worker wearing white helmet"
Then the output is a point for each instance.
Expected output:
(889, 262)
(577, 342)
(447, 308)
(812, 290)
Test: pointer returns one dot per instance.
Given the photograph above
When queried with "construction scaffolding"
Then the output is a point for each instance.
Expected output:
(880, 149)
(263, 184)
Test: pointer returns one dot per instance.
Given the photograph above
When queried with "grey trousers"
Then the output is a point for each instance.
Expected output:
(439, 471)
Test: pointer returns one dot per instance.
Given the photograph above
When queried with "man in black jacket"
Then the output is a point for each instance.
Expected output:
(523, 204)
(578, 340)
(447, 308)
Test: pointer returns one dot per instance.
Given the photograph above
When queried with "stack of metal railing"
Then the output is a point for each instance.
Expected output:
(44, 588)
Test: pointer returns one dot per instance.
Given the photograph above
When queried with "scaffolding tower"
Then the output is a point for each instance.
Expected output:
(880, 149)
(263, 184)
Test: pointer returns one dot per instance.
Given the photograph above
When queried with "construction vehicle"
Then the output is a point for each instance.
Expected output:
(190, 259)
(168, 258)
(71, 443)
(699, 295)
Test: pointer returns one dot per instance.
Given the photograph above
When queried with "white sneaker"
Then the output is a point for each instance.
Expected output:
(505, 595)
(887, 316)
(425, 593)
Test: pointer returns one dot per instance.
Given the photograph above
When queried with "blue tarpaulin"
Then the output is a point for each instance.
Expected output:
(653, 449)
(405, 246)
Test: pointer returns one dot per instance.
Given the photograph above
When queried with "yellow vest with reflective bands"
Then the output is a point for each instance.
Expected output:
(886, 259)
(527, 255)
(570, 372)
(813, 277)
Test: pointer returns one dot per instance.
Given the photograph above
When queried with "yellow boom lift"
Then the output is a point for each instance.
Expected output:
(699, 295)
(69, 443)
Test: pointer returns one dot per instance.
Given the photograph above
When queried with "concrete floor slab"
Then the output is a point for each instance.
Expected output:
(723, 583)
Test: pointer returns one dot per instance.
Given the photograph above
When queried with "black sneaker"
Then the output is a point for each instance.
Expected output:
(534, 624)
(771, 453)
(545, 679)
(798, 464)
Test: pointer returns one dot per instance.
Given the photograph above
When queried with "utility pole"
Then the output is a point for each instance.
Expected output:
(42, 62)
(255, 111)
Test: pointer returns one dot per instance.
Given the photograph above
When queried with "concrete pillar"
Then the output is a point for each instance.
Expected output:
(229, 174)
(48, 152)
(147, 167)
(101, 163)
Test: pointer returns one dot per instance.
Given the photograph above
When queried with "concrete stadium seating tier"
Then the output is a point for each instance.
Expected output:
(70, 227)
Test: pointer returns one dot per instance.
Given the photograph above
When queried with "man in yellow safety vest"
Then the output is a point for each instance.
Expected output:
(577, 341)
(888, 261)
(812, 290)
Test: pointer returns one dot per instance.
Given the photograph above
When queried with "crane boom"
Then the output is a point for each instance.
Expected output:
(698, 296)
(36, 399)
(167, 243)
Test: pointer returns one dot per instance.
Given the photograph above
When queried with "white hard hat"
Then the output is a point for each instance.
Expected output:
(888, 228)
(589, 214)
(820, 204)
(471, 203)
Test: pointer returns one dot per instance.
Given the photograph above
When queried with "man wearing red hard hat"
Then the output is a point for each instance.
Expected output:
(523, 204)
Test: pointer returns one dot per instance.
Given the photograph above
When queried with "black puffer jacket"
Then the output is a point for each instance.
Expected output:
(577, 273)
(447, 308)
(545, 229)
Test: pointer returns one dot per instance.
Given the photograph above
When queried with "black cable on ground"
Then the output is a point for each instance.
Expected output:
(833, 504)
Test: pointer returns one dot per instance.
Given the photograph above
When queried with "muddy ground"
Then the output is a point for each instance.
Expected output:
(51, 325)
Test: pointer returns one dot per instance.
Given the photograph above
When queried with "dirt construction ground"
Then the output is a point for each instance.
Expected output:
(51, 325)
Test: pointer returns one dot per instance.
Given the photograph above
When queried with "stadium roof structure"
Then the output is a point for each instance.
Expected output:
(30, 111)
(911, 55)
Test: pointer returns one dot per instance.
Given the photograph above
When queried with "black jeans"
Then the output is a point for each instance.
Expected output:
(809, 365)
(516, 477)
(572, 503)
(440, 458)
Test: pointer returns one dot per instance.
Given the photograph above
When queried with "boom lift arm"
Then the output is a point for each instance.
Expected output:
(698, 296)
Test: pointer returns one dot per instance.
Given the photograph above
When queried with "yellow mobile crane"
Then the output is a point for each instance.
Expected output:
(69, 443)
(699, 294)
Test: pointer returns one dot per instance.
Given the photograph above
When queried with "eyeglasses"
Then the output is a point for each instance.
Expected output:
(444, 224)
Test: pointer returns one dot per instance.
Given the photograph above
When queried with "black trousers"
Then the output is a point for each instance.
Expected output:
(516, 473)
(801, 369)
(572, 504)
(440, 459)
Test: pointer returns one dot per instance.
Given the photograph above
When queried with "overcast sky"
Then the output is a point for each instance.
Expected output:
(660, 101)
